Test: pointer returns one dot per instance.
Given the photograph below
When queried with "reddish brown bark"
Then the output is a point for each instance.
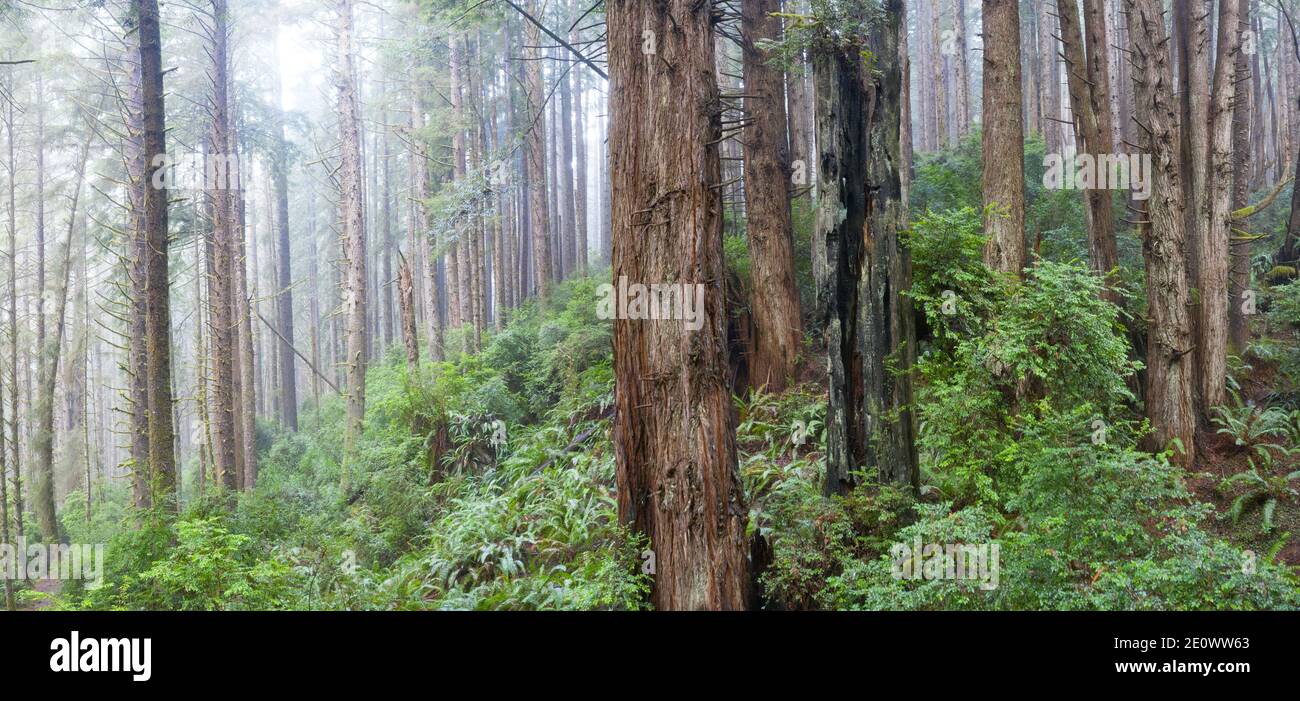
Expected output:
(674, 429)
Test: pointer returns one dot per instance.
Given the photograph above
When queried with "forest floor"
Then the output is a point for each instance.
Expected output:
(41, 595)
(1219, 457)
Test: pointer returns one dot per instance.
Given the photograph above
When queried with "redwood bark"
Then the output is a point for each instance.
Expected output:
(1090, 101)
(774, 305)
(1243, 131)
(535, 157)
(1212, 280)
(674, 428)
(1192, 51)
(1004, 139)
(962, 76)
(1169, 401)
(862, 269)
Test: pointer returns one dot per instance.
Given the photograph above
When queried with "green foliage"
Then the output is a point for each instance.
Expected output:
(1027, 442)
(1260, 485)
(1282, 324)
(1088, 527)
(1003, 355)
(211, 569)
(1260, 430)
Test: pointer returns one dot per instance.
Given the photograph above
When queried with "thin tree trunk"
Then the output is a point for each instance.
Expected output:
(354, 239)
(801, 110)
(243, 255)
(220, 286)
(961, 79)
(1090, 101)
(1004, 138)
(284, 271)
(568, 204)
(535, 156)
(580, 166)
(1243, 113)
(1212, 280)
(43, 444)
(1049, 70)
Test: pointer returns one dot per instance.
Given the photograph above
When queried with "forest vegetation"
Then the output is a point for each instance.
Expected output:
(626, 305)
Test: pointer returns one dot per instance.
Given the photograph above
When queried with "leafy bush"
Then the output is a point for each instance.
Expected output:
(1001, 354)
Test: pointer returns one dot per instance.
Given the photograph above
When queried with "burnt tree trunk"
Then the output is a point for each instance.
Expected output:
(862, 268)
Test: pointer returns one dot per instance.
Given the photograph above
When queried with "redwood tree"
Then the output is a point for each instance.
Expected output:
(774, 305)
(862, 267)
(1169, 402)
(675, 425)
(1004, 139)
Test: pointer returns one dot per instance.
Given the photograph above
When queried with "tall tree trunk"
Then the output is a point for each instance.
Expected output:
(1102, 248)
(674, 427)
(888, 339)
(1090, 102)
(354, 238)
(455, 285)
(905, 147)
(568, 205)
(580, 166)
(1192, 49)
(4, 500)
(962, 77)
(1243, 113)
(245, 306)
(1050, 72)
(284, 271)
(1289, 253)
(1212, 280)
(535, 156)
(15, 461)
(1169, 401)
(162, 458)
(774, 306)
(313, 301)
(419, 167)
(480, 226)
(220, 286)
(799, 92)
(43, 443)
(406, 302)
(935, 75)
(1004, 139)
(862, 269)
